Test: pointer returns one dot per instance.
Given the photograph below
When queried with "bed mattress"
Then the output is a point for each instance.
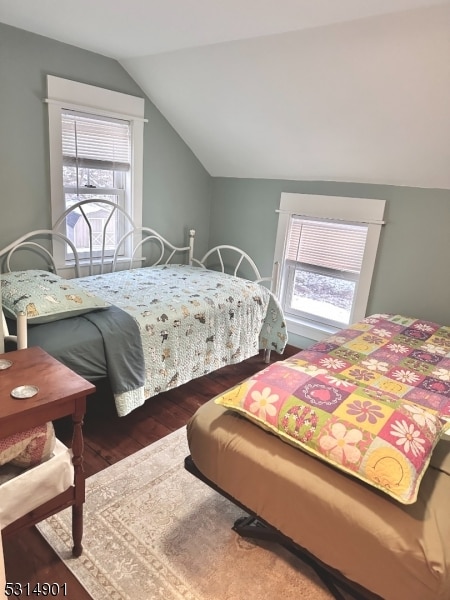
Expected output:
(396, 551)
(63, 340)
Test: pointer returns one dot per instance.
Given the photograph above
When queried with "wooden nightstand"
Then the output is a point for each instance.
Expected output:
(61, 392)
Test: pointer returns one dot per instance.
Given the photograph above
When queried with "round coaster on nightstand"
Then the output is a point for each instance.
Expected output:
(24, 391)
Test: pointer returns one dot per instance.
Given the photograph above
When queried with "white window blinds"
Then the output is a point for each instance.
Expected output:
(95, 143)
(338, 246)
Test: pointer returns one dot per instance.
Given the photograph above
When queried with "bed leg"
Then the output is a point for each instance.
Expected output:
(251, 527)
(267, 356)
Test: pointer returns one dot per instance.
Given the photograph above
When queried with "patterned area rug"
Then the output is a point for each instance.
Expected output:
(154, 532)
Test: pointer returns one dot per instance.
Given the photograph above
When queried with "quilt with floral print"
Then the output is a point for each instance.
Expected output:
(372, 401)
(191, 320)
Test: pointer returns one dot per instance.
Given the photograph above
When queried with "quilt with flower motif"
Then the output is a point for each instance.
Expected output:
(372, 401)
(191, 320)
(391, 357)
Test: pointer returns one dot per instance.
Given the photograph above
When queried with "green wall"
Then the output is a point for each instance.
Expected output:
(411, 275)
(177, 189)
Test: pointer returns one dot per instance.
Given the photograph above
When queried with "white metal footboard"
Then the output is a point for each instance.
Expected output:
(236, 261)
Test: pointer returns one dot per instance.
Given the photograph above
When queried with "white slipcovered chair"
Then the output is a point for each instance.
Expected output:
(37, 476)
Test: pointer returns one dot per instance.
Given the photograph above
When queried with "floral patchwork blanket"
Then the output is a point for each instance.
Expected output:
(373, 400)
(191, 320)
(391, 357)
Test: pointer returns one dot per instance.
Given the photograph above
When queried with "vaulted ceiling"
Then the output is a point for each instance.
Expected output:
(338, 90)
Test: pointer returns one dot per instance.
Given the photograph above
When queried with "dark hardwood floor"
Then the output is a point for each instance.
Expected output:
(108, 439)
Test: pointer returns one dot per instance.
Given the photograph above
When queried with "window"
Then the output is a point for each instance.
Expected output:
(96, 151)
(325, 253)
(96, 164)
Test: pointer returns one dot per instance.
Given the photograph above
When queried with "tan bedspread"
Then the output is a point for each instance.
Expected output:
(398, 552)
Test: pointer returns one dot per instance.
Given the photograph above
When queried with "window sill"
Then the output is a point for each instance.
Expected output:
(309, 330)
(68, 270)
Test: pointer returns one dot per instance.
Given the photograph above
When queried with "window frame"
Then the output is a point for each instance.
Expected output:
(365, 211)
(84, 98)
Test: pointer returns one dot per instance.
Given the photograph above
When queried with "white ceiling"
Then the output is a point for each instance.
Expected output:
(142, 27)
(343, 90)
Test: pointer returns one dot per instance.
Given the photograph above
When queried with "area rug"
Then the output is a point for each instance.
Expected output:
(153, 531)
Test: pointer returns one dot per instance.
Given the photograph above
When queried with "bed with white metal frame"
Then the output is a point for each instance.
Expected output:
(179, 314)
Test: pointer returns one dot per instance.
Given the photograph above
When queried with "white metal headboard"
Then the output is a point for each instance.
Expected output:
(131, 243)
(35, 240)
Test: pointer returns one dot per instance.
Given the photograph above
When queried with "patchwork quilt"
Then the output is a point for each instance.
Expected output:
(391, 357)
(191, 321)
(373, 401)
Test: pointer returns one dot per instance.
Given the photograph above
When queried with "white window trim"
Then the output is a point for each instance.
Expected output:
(357, 210)
(72, 95)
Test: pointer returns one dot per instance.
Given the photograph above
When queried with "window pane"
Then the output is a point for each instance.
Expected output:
(78, 230)
(322, 296)
(323, 261)
(96, 159)
(82, 177)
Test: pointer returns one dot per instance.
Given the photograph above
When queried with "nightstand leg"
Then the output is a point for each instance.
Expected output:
(79, 481)
(77, 530)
